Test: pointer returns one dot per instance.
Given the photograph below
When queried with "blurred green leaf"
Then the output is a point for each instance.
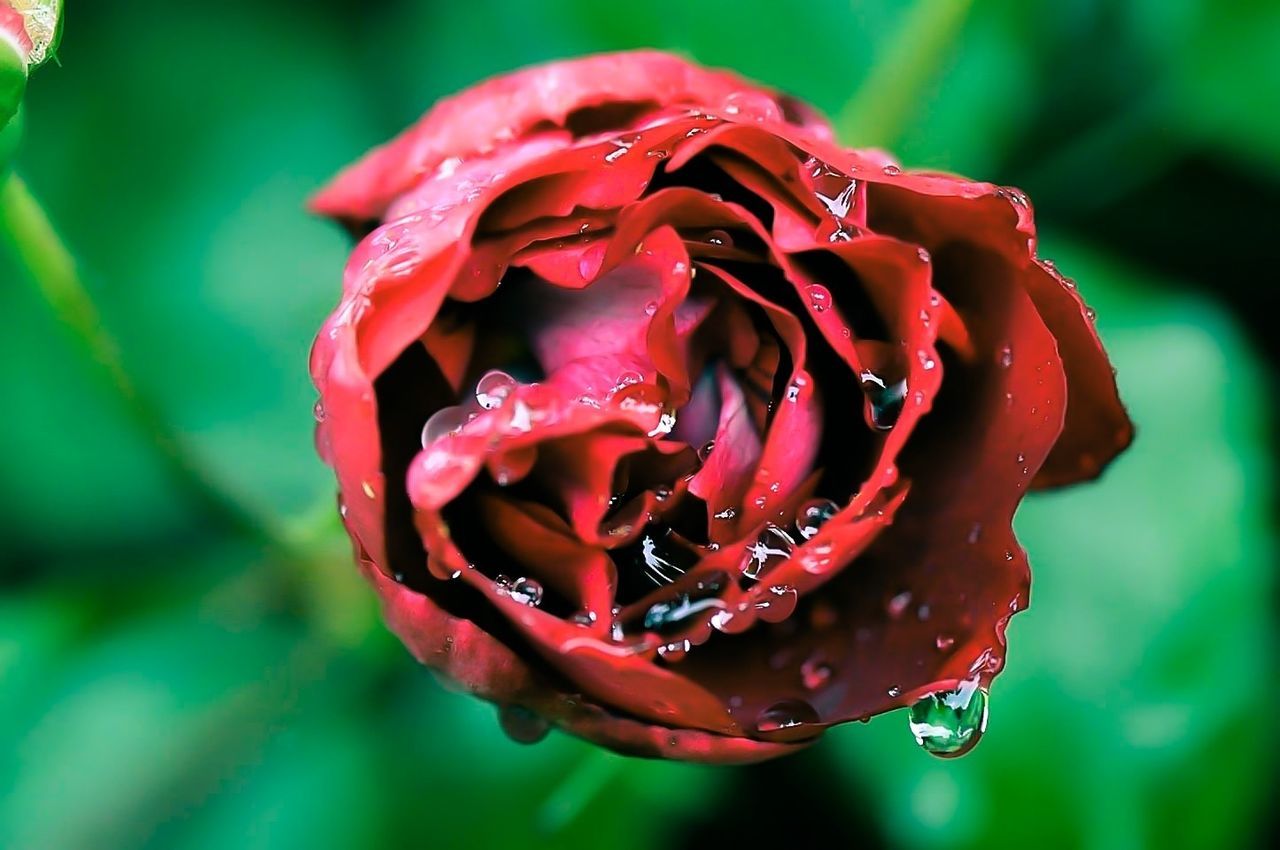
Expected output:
(446, 755)
(1134, 680)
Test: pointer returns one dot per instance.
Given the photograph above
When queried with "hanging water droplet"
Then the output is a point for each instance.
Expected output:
(494, 388)
(526, 591)
(885, 399)
(771, 548)
(813, 514)
(522, 725)
(788, 720)
(318, 410)
(706, 449)
(949, 724)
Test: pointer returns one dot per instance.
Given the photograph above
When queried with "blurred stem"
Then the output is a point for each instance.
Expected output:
(577, 790)
(30, 237)
(879, 110)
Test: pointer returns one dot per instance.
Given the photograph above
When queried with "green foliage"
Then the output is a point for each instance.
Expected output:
(165, 683)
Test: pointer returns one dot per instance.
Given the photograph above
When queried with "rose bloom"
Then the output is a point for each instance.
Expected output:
(660, 417)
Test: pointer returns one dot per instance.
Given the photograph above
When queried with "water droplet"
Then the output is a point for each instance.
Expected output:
(841, 200)
(651, 308)
(522, 725)
(526, 591)
(923, 254)
(494, 388)
(885, 399)
(621, 146)
(719, 237)
(777, 603)
(771, 548)
(898, 604)
(706, 449)
(1022, 458)
(446, 422)
(368, 490)
(814, 673)
(894, 691)
(502, 585)
(675, 650)
(819, 297)
(1006, 357)
(788, 720)
(726, 514)
(795, 387)
(892, 170)
(944, 642)
(584, 618)
(318, 410)
(926, 360)
(975, 531)
(1091, 314)
(950, 724)
(813, 514)
(676, 614)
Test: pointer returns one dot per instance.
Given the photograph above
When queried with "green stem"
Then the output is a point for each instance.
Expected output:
(879, 111)
(587, 779)
(31, 238)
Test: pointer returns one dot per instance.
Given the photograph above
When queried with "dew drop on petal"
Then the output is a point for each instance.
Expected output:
(494, 388)
(819, 297)
(526, 591)
(446, 421)
(788, 720)
(898, 604)
(814, 673)
(813, 514)
(772, 547)
(884, 398)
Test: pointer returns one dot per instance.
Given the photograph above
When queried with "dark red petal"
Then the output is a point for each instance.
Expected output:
(507, 111)
(471, 659)
(1097, 427)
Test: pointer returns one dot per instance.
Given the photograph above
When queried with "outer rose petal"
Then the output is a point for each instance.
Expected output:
(507, 109)
(465, 655)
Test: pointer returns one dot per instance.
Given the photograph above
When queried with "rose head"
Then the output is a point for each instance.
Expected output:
(660, 417)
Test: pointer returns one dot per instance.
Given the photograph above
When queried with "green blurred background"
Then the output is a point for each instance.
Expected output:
(168, 679)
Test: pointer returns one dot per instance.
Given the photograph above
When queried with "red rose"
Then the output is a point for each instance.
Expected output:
(660, 417)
